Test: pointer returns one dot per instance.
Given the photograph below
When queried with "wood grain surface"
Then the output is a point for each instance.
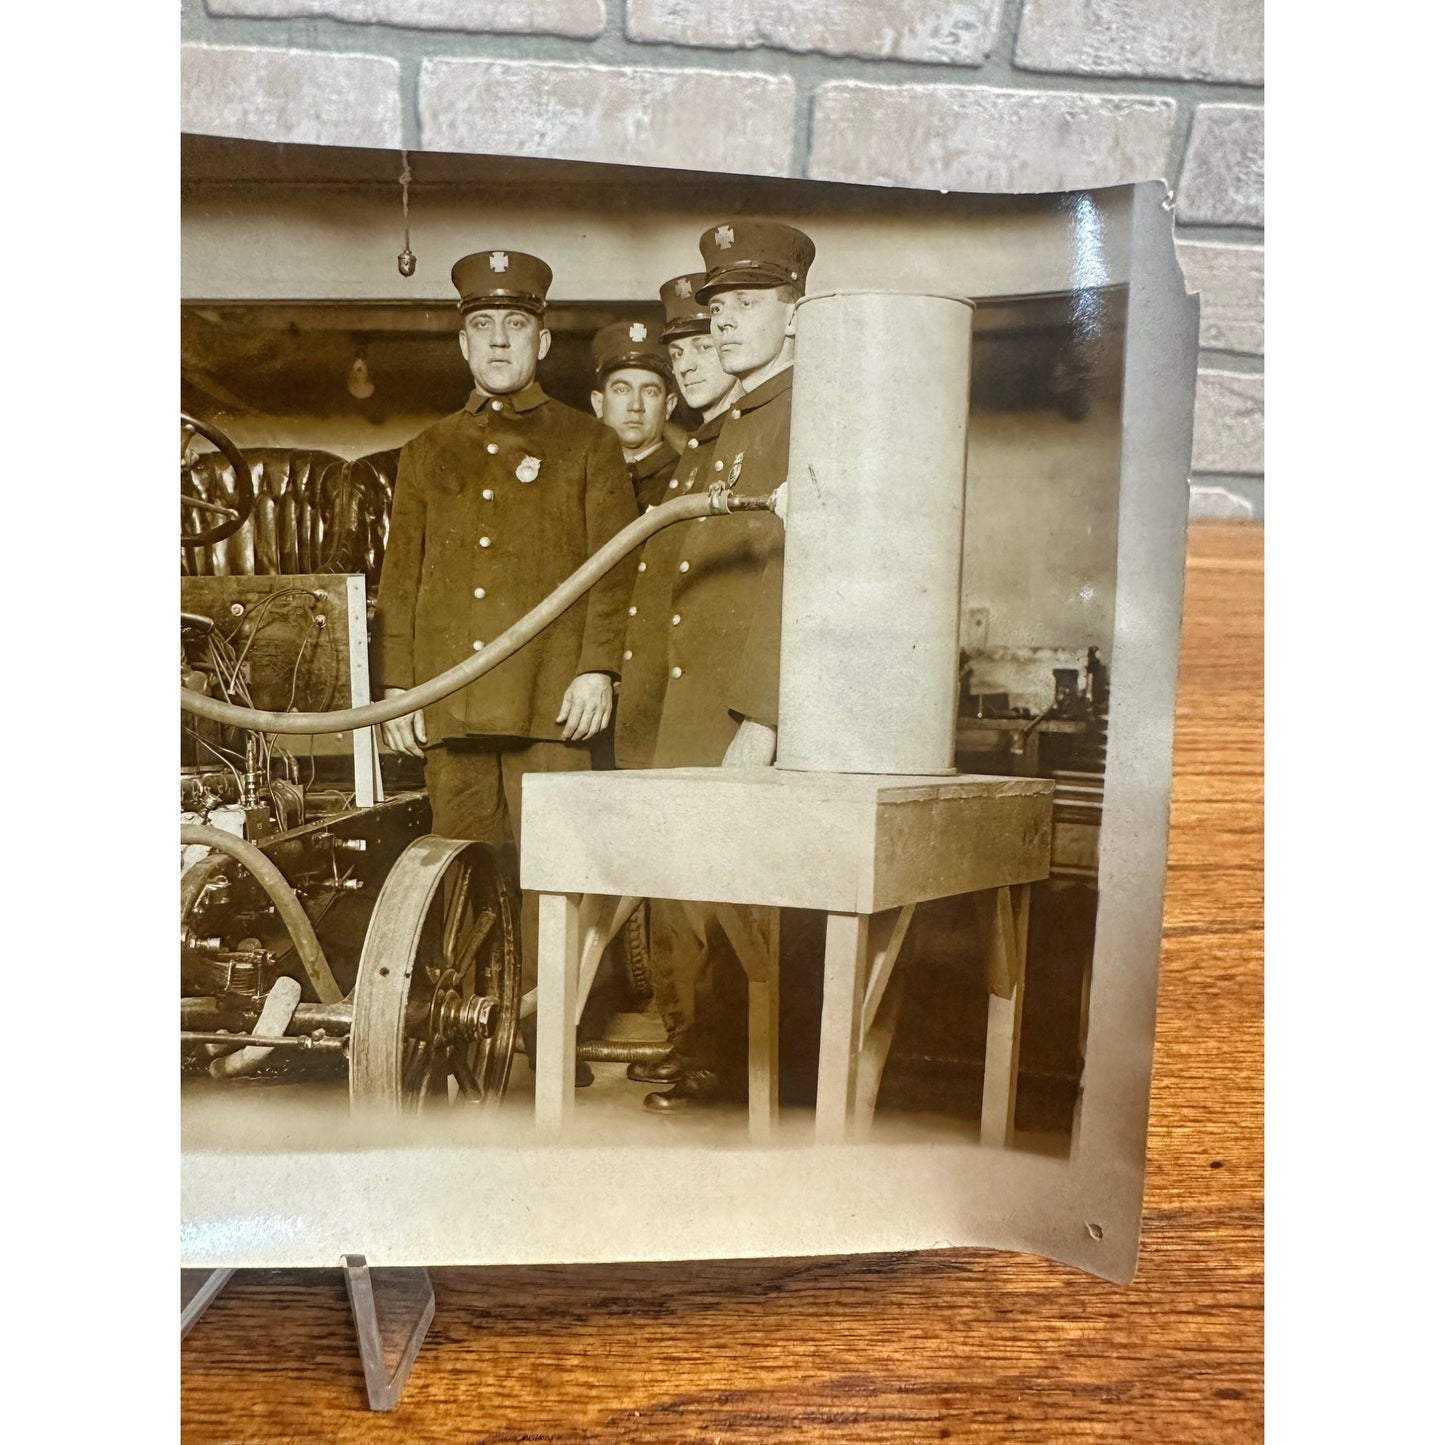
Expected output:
(963, 1345)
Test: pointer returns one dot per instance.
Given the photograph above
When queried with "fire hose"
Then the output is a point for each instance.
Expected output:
(280, 892)
(716, 502)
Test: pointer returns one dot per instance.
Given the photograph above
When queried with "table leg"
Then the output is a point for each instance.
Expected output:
(845, 979)
(763, 1041)
(1009, 947)
(882, 1001)
(762, 1059)
(753, 933)
(559, 954)
(873, 1057)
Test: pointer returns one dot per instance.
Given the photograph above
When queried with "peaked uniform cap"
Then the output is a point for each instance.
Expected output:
(630, 343)
(502, 278)
(686, 315)
(754, 253)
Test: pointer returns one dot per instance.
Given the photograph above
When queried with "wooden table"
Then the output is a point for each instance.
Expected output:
(864, 849)
(963, 1345)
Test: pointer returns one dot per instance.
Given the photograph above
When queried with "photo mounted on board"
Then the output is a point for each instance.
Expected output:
(677, 684)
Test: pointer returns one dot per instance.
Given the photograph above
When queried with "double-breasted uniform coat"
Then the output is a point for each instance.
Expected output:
(725, 626)
(495, 506)
(646, 643)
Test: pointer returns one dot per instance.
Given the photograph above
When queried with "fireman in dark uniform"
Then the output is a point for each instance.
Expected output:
(494, 506)
(722, 684)
(634, 397)
(723, 633)
(705, 386)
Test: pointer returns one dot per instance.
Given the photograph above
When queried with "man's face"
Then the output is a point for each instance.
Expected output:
(634, 402)
(503, 347)
(698, 369)
(749, 326)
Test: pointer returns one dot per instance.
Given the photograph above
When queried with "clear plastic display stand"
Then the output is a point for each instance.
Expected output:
(198, 1288)
(392, 1310)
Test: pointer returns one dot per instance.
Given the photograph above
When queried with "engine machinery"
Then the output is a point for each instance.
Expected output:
(323, 926)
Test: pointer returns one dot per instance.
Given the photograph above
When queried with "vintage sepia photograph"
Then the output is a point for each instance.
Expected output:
(677, 677)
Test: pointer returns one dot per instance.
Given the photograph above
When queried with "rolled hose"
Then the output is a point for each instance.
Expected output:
(592, 571)
(280, 892)
(611, 1051)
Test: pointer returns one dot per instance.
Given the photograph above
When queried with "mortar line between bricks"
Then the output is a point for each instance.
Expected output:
(1239, 363)
(1197, 233)
(1006, 41)
(410, 86)
(1226, 480)
(1179, 134)
(802, 126)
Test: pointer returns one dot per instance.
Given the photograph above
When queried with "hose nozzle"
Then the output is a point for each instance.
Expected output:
(723, 502)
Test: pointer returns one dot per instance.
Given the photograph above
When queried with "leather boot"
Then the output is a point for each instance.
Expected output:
(695, 1090)
(669, 1071)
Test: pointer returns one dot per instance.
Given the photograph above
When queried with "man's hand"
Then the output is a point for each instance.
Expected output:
(753, 746)
(586, 707)
(405, 734)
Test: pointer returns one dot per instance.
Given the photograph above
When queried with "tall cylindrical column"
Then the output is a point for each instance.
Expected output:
(873, 546)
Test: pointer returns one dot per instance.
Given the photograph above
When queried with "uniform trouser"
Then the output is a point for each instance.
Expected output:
(701, 992)
(475, 786)
(700, 988)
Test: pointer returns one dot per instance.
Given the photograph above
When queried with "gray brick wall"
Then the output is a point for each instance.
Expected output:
(984, 94)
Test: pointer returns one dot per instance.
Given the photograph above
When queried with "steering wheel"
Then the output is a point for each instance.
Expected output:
(233, 516)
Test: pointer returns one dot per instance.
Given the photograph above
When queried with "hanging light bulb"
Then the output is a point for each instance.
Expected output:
(405, 261)
(358, 378)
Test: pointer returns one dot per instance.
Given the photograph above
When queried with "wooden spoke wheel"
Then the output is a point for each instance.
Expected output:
(438, 991)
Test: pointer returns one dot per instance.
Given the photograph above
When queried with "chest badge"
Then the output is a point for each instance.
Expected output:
(736, 470)
(528, 469)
